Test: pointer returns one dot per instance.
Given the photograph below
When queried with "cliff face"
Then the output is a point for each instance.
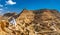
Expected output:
(33, 22)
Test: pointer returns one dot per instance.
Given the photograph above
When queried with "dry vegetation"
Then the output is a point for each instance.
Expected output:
(37, 22)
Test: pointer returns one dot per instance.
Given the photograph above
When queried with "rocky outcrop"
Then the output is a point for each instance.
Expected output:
(32, 22)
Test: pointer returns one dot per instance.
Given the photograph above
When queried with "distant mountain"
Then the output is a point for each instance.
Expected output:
(32, 22)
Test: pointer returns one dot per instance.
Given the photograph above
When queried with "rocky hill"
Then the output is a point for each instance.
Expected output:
(31, 22)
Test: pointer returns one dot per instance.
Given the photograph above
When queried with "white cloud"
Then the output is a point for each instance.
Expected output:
(8, 11)
(0, 12)
(1, 5)
(1, 9)
(10, 2)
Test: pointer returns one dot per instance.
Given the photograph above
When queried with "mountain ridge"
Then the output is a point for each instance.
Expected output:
(33, 22)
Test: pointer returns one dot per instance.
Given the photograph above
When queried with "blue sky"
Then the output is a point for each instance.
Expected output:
(19, 5)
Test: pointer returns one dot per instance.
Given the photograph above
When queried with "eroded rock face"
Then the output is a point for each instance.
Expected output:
(33, 22)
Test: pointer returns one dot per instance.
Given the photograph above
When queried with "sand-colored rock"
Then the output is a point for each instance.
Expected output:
(32, 22)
